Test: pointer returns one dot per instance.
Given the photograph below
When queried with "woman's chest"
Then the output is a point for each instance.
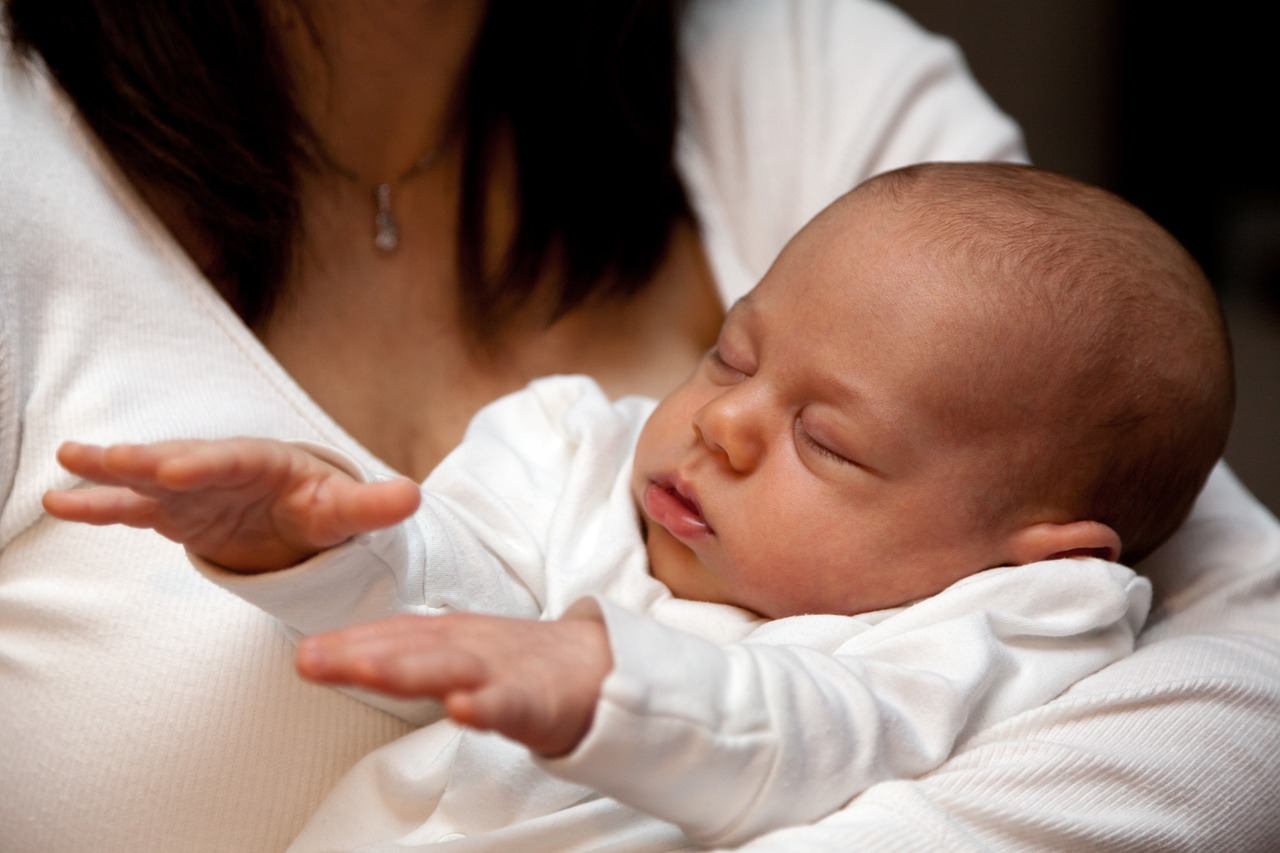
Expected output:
(400, 377)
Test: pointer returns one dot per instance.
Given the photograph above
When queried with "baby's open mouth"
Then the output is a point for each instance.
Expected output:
(690, 504)
(679, 513)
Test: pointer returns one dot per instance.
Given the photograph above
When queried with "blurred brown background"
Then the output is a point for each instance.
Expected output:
(1171, 108)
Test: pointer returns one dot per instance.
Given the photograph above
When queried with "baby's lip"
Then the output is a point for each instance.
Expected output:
(674, 504)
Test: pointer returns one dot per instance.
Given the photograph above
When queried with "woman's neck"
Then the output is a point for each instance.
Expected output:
(377, 80)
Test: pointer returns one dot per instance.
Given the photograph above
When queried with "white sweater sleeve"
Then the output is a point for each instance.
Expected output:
(732, 741)
(438, 561)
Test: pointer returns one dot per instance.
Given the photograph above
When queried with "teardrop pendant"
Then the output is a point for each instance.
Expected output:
(386, 236)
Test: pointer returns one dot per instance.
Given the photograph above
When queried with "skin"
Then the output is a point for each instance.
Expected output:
(781, 477)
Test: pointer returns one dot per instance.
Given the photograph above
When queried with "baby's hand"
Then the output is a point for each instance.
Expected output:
(534, 682)
(250, 505)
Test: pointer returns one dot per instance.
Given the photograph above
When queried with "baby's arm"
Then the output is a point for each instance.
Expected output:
(249, 505)
(729, 742)
(535, 682)
(732, 741)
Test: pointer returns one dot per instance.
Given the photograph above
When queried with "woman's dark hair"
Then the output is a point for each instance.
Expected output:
(195, 99)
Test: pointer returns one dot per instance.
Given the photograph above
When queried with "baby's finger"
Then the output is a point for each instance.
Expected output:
(362, 507)
(160, 469)
(494, 707)
(101, 506)
(132, 465)
(87, 461)
(513, 712)
(223, 464)
(341, 657)
(385, 664)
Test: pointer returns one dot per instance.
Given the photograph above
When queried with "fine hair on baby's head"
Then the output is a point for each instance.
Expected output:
(1092, 343)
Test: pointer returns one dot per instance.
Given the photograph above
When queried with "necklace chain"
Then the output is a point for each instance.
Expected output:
(386, 229)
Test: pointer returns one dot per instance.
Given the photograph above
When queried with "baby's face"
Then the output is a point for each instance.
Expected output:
(810, 464)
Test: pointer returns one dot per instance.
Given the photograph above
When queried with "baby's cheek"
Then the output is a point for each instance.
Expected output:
(680, 570)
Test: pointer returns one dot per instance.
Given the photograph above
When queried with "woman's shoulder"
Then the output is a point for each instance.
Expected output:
(855, 81)
(733, 26)
(786, 105)
(24, 127)
(58, 198)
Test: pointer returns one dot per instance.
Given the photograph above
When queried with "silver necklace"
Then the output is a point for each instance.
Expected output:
(386, 230)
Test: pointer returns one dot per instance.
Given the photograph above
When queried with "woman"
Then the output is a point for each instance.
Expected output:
(240, 248)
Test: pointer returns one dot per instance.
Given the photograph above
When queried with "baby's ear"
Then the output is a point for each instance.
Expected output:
(1049, 541)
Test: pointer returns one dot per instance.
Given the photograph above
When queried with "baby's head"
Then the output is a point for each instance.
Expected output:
(953, 367)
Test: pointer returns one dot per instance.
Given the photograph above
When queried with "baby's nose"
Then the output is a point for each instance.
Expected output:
(732, 426)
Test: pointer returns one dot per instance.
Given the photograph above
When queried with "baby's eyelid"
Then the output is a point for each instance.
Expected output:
(717, 356)
(819, 446)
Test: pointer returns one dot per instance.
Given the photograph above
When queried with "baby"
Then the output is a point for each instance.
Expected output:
(960, 399)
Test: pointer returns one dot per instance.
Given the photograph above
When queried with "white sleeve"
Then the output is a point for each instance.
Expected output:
(732, 741)
(1171, 748)
(479, 541)
(435, 562)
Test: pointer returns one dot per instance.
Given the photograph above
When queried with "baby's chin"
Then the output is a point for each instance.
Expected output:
(681, 571)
